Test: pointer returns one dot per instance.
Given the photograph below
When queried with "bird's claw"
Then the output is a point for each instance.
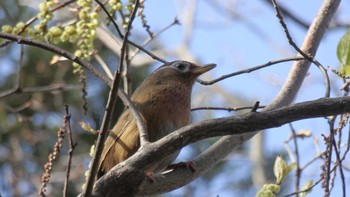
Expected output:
(149, 176)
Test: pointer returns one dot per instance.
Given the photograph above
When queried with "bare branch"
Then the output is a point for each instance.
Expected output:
(297, 159)
(229, 109)
(309, 57)
(58, 51)
(108, 112)
(310, 45)
(339, 162)
(249, 70)
(291, 15)
(49, 88)
(53, 156)
(175, 22)
(122, 36)
(72, 146)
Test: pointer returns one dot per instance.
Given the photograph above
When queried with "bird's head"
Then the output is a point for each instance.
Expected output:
(181, 70)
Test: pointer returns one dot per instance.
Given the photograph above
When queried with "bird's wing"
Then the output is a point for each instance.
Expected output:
(115, 134)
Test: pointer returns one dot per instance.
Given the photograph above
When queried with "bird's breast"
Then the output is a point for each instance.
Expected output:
(166, 112)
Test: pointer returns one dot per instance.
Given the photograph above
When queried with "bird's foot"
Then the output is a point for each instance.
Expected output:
(149, 176)
(189, 165)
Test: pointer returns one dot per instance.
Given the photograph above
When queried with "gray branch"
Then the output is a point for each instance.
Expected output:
(129, 176)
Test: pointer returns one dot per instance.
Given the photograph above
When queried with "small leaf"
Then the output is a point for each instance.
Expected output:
(91, 153)
(281, 169)
(304, 133)
(56, 59)
(278, 169)
(289, 168)
(87, 127)
(268, 190)
(343, 54)
(344, 70)
(306, 186)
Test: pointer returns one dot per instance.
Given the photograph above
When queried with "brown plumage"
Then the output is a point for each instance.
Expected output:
(163, 100)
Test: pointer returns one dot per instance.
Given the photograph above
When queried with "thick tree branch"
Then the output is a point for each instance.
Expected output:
(116, 181)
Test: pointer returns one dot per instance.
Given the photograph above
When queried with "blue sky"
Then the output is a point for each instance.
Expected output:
(233, 45)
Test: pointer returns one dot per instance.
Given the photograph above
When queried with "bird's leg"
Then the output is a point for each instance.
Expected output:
(188, 164)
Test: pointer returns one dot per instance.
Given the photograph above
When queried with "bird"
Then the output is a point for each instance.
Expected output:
(163, 100)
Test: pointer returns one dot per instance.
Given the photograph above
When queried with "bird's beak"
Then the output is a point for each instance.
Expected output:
(202, 69)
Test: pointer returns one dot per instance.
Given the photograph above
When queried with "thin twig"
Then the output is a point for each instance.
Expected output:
(175, 22)
(141, 125)
(297, 159)
(229, 109)
(339, 161)
(269, 63)
(347, 147)
(305, 190)
(103, 65)
(7, 12)
(102, 135)
(49, 88)
(306, 56)
(95, 163)
(328, 157)
(139, 121)
(142, 132)
(128, 41)
(108, 113)
(20, 71)
(292, 16)
(255, 106)
(70, 152)
(59, 51)
(45, 178)
(126, 71)
(318, 156)
(289, 151)
(17, 86)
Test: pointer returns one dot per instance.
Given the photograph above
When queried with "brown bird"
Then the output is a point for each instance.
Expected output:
(163, 100)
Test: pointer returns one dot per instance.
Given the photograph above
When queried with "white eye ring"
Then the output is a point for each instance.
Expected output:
(181, 66)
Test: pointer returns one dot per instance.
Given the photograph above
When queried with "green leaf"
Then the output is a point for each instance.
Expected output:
(88, 128)
(268, 190)
(281, 169)
(278, 169)
(306, 186)
(343, 53)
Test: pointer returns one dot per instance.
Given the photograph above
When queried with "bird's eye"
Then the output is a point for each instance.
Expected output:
(181, 67)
